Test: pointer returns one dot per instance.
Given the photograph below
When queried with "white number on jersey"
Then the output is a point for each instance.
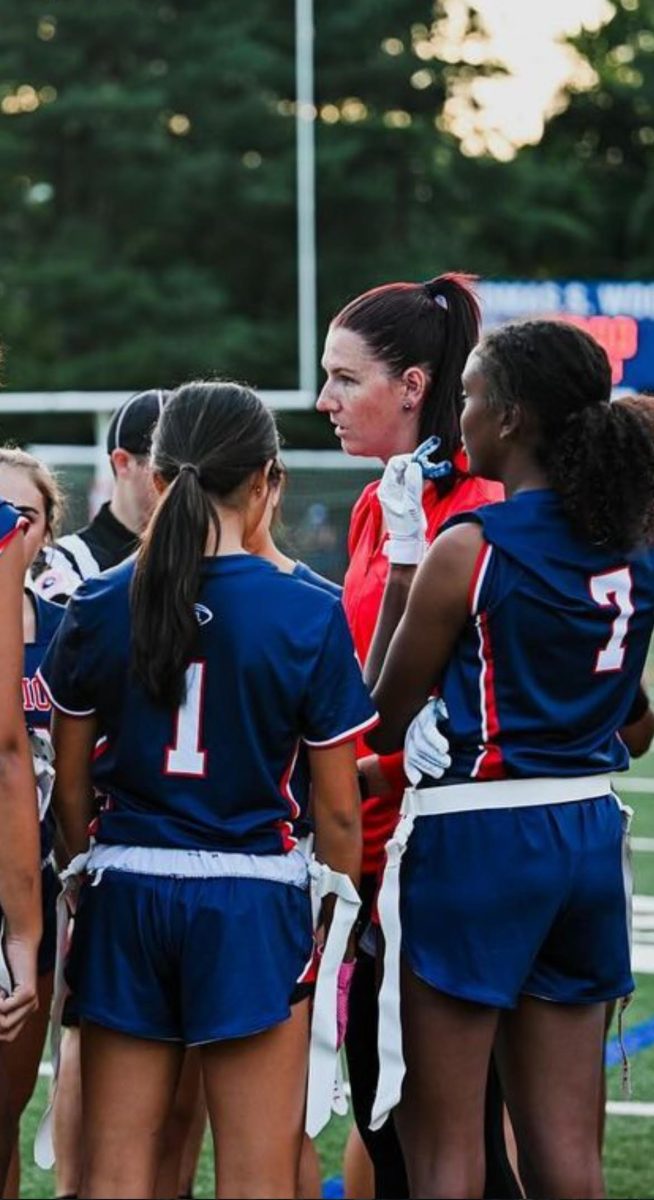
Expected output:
(185, 756)
(613, 589)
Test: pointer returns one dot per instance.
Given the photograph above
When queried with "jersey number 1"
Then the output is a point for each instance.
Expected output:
(613, 589)
(186, 756)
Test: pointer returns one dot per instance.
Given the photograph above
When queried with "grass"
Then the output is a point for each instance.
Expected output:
(629, 1160)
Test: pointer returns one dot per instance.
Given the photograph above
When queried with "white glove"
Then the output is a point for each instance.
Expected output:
(400, 495)
(426, 749)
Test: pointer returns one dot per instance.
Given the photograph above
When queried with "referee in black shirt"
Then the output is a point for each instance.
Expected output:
(114, 532)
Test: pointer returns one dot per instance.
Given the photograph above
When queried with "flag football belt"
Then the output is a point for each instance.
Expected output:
(435, 802)
(294, 869)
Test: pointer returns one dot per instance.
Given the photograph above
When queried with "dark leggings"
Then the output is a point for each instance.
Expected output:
(383, 1145)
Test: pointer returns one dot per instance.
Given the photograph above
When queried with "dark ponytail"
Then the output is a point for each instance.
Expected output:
(598, 455)
(434, 325)
(603, 469)
(459, 334)
(211, 437)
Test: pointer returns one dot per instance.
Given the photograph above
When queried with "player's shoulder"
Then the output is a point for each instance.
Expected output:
(304, 574)
(368, 497)
(304, 611)
(104, 593)
(307, 590)
(48, 615)
(367, 501)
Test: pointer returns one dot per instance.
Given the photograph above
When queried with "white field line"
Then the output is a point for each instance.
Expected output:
(634, 783)
(643, 844)
(642, 959)
(642, 951)
(629, 1108)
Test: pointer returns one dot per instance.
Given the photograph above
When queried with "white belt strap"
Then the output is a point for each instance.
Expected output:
(288, 868)
(391, 1057)
(323, 1088)
(473, 797)
(70, 878)
(504, 793)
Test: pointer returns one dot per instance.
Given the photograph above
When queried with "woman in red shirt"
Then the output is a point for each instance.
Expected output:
(393, 358)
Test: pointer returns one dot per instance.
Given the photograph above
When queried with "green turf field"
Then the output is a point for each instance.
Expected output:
(630, 1140)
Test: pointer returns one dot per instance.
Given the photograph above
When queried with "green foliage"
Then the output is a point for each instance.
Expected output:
(147, 175)
(139, 245)
(595, 163)
(147, 159)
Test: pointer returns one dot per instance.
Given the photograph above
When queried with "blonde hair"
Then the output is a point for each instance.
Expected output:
(43, 479)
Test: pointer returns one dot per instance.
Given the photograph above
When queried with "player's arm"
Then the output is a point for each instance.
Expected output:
(20, 875)
(74, 739)
(336, 808)
(394, 602)
(637, 732)
(436, 611)
(400, 495)
(336, 804)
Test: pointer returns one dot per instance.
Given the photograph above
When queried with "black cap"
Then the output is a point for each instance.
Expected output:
(132, 424)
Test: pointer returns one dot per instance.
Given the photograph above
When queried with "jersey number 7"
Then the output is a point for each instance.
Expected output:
(613, 589)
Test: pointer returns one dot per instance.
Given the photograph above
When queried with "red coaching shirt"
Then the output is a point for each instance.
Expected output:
(363, 591)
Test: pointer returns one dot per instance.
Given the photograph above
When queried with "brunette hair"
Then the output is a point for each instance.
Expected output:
(434, 325)
(210, 438)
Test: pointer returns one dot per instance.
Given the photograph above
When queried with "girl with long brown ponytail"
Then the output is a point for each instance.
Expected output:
(195, 671)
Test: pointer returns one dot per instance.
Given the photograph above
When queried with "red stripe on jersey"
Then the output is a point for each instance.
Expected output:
(20, 526)
(489, 765)
(285, 784)
(99, 749)
(289, 841)
(477, 579)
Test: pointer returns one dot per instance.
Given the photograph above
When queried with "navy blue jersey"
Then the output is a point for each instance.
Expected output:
(36, 702)
(273, 664)
(303, 572)
(10, 522)
(550, 659)
(301, 781)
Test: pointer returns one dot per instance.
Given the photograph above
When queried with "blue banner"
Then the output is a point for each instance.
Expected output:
(620, 315)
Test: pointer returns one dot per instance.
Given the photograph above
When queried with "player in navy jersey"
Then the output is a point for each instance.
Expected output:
(262, 542)
(20, 893)
(34, 492)
(533, 619)
(196, 670)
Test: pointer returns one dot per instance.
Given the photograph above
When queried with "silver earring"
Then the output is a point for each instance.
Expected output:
(407, 406)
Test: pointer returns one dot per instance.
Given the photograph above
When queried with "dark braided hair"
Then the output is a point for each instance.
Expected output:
(432, 325)
(598, 455)
(210, 439)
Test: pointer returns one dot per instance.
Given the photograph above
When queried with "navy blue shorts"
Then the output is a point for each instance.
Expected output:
(529, 901)
(189, 960)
